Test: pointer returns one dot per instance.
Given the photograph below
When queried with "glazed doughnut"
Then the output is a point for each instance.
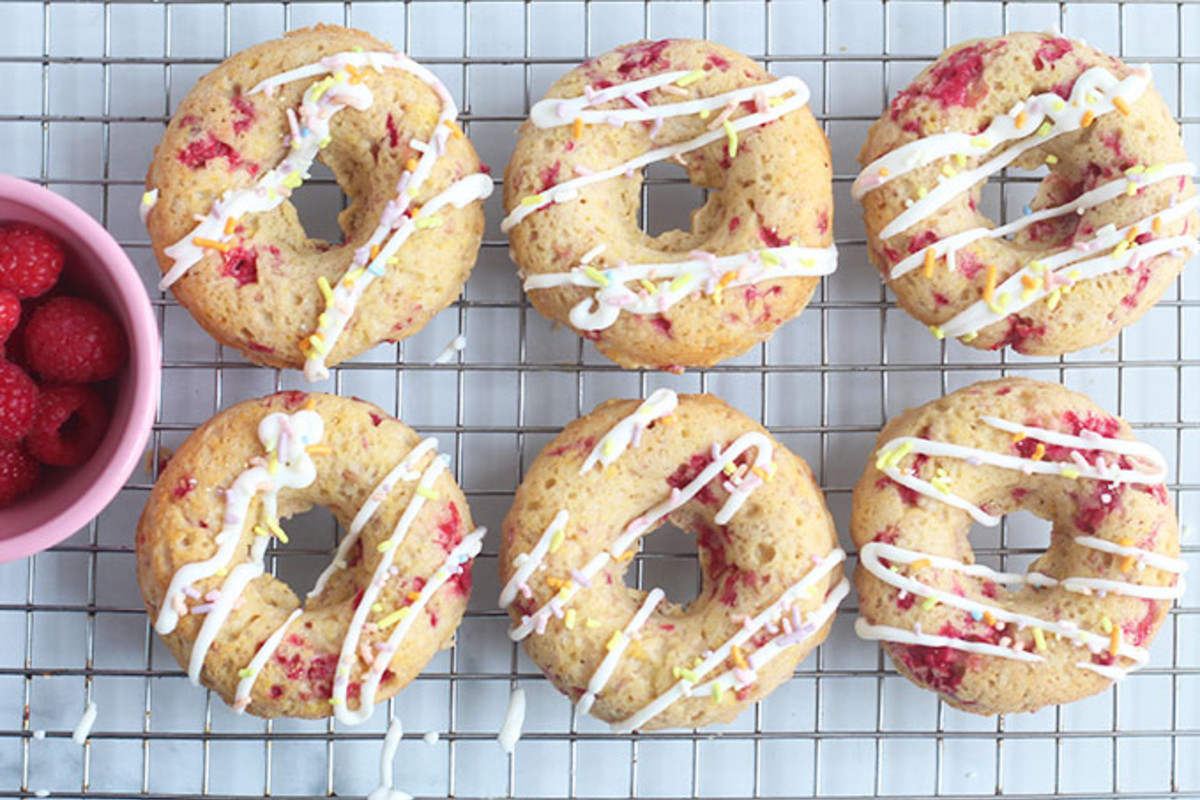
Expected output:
(756, 249)
(1111, 224)
(229, 241)
(1084, 613)
(391, 597)
(772, 575)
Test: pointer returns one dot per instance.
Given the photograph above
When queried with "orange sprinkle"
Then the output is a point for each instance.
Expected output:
(413, 596)
(577, 129)
(884, 172)
(1029, 282)
(626, 556)
(1021, 118)
(930, 258)
(1039, 452)
(1133, 234)
(669, 419)
(411, 165)
(1125, 541)
(989, 618)
(1087, 119)
(374, 252)
(989, 288)
(230, 226)
(727, 278)
(555, 583)
(453, 126)
(200, 241)
(310, 404)
(739, 658)
(303, 345)
(1122, 105)
(919, 564)
(1156, 226)
(1019, 436)
(1127, 563)
(1114, 643)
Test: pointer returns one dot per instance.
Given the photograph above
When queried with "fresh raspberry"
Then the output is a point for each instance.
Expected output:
(30, 260)
(70, 340)
(18, 473)
(18, 402)
(70, 422)
(10, 314)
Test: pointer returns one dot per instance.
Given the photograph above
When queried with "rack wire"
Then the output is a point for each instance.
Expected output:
(88, 89)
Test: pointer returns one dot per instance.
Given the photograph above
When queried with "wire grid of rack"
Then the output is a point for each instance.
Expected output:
(89, 86)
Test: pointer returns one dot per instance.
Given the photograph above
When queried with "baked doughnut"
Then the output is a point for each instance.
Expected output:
(1111, 224)
(756, 249)
(1087, 609)
(231, 245)
(400, 576)
(772, 575)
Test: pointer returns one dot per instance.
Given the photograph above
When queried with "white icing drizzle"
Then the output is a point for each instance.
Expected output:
(285, 437)
(870, 558)
(249, 675)
(83, 729)
(514, 720)
(1111, 190)
(675, 281)
(320, 103)
(1070, 266)
(230, 592)
(391, 742)
(146, 205)
(628, 431)
(569, 190)
(1064, 117)
(608, 665)
(887, 633)
(553, 112)
(764, 451)
(897, 448)
(1146, 557)
(797, 592)
(466, 550)
(528, 563)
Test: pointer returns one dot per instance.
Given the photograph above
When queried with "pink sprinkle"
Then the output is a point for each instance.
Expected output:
(542, 621)
(760, 102)
(580, 169)
(629, 172)
(744, 676)
(656, 127)
(293, 125)
(203, 608)
(178, 604)
(1078, 458)
(191, 592)
(581, 579)
(560, 110)
(526, 592)
(615, 121)
(676, 496)
(213, 596)
(589, 93)
(716, 450)
(240, 704)
(636, 101)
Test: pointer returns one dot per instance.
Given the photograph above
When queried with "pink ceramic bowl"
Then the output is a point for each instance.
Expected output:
(96, 266)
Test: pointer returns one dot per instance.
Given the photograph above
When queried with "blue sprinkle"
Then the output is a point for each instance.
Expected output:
(1026, 210)
(976, 615)
(376, 269)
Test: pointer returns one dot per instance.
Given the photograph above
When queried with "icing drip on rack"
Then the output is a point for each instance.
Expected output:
(873, 555)
(310, 134)
(891, 453)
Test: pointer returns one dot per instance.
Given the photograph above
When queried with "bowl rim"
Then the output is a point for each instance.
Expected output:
(145, 361)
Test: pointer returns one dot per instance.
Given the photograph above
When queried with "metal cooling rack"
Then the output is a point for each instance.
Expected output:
(87, 90)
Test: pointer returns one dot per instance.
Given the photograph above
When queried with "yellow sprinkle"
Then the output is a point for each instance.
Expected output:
(377, 608)
(591, 623)
(273, 526)
(648, 286)
(930, 260)
(317, 342)
(1128, 563)
(1051, 159)
(1039, 452)
(922, 191)
(1157, 225)
(929, 603)
(626, 556)
(413, 596)
(981, 141)
(1121, 105)
(1069, 472)
(1120, 249)
(273, 464)
(428, 222)
(577, 128)
(739, 658)
(246, 673)
(326, 289)
(731, 135)
(212, 244)
(680, 282)
(614, 641)
(989, 287)
(768, 257)
(569, 619)
(1088, 117)
(937, 332)
(1059, 105)
(1131, 189)
(1039, 638)
(557, 539)
(690, 78)
(427, 493)
(532, 200)
(385, 545)
(718, 692)
(919, 564)
(960, 159)
(322, 321)
(949, 171)
(333, 701)
(1154, 168)
(293, 180)
(1106, 624)
(1044, 129)
(1055, 297)
(318, 449)
(392, 618)
(1019, 436)
(328, 140)
(688, 675)
(222, 572)
(454, 129)
(259, 530)
(596, 276)
(704, 113)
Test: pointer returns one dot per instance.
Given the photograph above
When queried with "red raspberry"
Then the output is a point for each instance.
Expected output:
(30, 260)
(10, 314)
(18, 473)
(69, 425)
(70, 340)
(18, 402)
